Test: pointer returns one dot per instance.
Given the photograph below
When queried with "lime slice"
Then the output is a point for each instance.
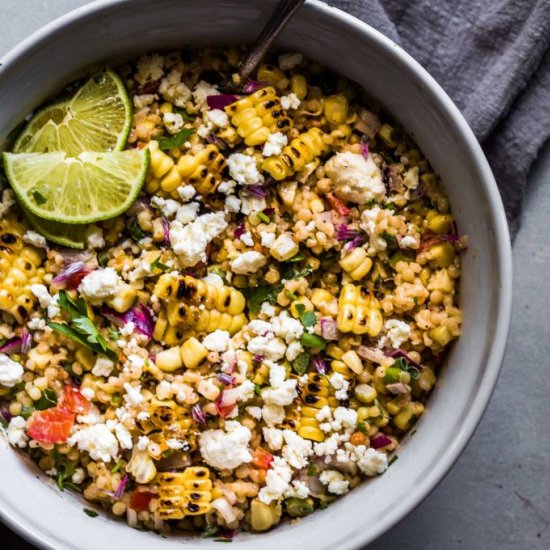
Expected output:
(71, 235)
(97, 118)
(85, 189)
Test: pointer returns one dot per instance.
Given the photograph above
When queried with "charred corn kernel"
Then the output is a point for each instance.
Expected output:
(169, 360)
(161, 325)
(167, 416)
(309, 425)
(298, 86)
(264, 516)
(292, 420)
(202, 170)
(387, 134)
(272, 75)
(124, 298)
(301, 301)
(356, 263)
(187, 493)
(301, 150)
(407, 414)
(20, 268)
(171, 181)
(340, 135)
(284, 247)
(193, 353)
(358, 311)
(324, 301)
(441, 335)
(443, 254)
(365, 393)
(200, 306)
(441, 223)
(353, 361)
(141, 466)
(336, 109)
(258, 115)
(161, 163)
(85, 357)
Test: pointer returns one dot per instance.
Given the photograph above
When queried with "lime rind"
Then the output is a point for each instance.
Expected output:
(70, 235)
(77, 190)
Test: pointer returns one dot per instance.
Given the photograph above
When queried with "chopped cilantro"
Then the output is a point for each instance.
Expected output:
(307, 318)
(103, 259)
(298, 258)
(176, 140)
(117, 466)
(301, 363)
(158, 265)
(264, 217)
(392, 460)
(113, 334)
(47, 400)
(91, 513)
(256, 296)
(313, 341)
(311, 469)
(185, 115)
(257, 390)
(38, 198)
(362, 427)
(391, 240)
(136, 232)
(210, 531)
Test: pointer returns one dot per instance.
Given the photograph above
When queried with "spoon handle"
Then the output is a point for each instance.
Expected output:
(278, 20)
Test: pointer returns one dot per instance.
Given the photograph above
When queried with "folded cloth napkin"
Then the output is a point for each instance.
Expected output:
(493, 58)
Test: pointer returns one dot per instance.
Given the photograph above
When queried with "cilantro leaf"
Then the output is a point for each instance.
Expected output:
(157, 264)
(47, 400)
(301, 363)
(256, 296)
(74, 309)
(91, 513)
(136, 232)
(176, 140)
(307, 318)
(75, 335)
(362, 427)
(311, 469)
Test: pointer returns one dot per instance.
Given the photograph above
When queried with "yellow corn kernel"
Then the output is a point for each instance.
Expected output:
(85, 357)
(387, 134)
(302, 300)
(192, 353)
(356, 263)
(441, 335)
(272, 75)
(441, 223)
(203, 169)
(284, 247)
(169, 360)
(258, 115)
(301, 151)
(124, 298)
(20, 268)
(365, 393)
(358, 311)
(161, 163)
(407, 414)
(166, 107)
(336, 109)
(298, 86)
(353, 361)
(264, 516)
(441, 280)
(171, 181)
(161, 325)
(443, 254)
(187, 493)
(324, 301)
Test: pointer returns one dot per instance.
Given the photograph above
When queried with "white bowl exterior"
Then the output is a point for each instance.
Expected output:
(106, 30)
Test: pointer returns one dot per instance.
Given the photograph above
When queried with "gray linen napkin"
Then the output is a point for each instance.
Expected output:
(493, 58)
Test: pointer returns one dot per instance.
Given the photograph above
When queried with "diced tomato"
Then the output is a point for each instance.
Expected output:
(51, 425)
(338, 205)
(139, 501)
(225, 411)
(262, 459)
(73, 401)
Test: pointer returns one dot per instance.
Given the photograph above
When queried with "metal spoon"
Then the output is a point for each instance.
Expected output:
(276, 23)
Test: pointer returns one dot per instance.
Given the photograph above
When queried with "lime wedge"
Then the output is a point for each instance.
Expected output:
(97, 118)
(71, 235)
(85, 189)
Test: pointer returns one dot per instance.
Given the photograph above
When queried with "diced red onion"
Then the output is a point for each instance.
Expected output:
(371, 354)
(140, 315)
(220, 101)
(396, 354)
(398, 388)
(239, 231)
(354, 243)
(365, 147)
(26, 340)
(6, 415)
(226, 379)
(152, 357)
(228, 533)
(71, 276)
(11, 346)
(198, 414)
(252, 85)
(328, 328)
(121, 486)
(256, 190)
(215, 140)
(166, 230)
(320, 365)
(344, 233)
(380, 440)
(257, 358)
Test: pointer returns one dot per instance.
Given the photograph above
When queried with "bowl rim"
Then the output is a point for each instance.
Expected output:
(497, 219)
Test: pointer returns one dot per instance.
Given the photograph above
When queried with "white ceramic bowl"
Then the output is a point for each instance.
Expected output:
(105, 30)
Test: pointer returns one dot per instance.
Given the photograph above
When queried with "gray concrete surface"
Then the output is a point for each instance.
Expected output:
(497, 497)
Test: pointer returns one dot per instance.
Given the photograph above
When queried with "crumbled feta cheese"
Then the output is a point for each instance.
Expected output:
(284, 247)
(143, 100)
(290, 101)
(227, 187)
(34, 238)
(355, 178)
(124, 437)
(8, 200)
(247, 239)
(149, 68)
(251, 203)
(133, 394)
(243, 169)
(274, 438)
(87, 393)
(103, 367)
(397, 332)
(41, 292)
(187, 213)
(277, 481)
(254, 412)
(174, 90)
(219, 340)
(186, 192)
(293, 350)
(340, 384)
(248, 263)
(226, 449)
(11, 372)
(168, 207)
(408, 241)
(344, 417)
(142, 443)
(410, 178)
(16, 432)
(94, 237)
(298, 489)
(372, 462)
(268, 346)
(335, 482)
(97, 440)
(214, 280)
(268, 310)
(217, 117)
(79, 476)
(190, 241)
(232, 204)
(297, 449)
(245, 391)
(282, 395)
(204, 130)
(175, 444)
(100, 284)
(37, 324)
(173, 122)
(257, 326)
(368, 224)
(267, 239)
(274, 145)
(201, 92)
(273, 414)
(286, 327)
(290, 60)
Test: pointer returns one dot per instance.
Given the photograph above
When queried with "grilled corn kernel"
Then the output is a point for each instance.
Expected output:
(443, 254)
(298, 86)
(356, 263)
(358, 311)
(336, 109)
(272, 75)
(193, 353)
(169, 360)
(124, 298)
(264, 516)
(202, 170)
